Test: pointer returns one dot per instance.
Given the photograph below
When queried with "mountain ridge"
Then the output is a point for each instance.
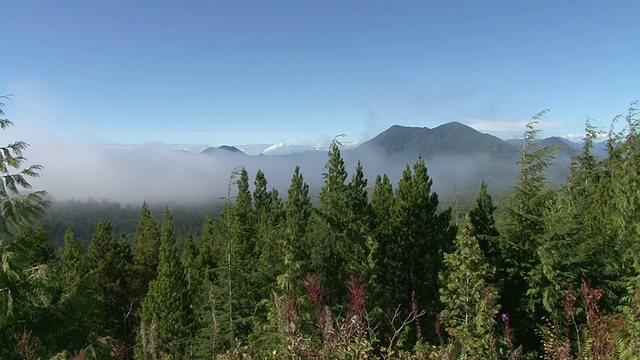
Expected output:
(452, 138)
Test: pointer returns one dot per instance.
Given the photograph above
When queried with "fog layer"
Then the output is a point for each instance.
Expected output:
(158, 173)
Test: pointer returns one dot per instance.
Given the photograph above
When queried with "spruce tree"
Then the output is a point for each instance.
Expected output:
(381, 241)
(422, 236)
(293, 247)
(261, 196)
(244, 242)
(108, 267)
(469, 301)
(76, 311)
(189, 264)
(357, 225)
(72, 263)
(166, 310)
(482, 226)
(146, 247)
(210, 256)
(330, 253)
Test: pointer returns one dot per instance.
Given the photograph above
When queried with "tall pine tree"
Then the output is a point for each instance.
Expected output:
(469, 301)
(422, 236)
(166, 311)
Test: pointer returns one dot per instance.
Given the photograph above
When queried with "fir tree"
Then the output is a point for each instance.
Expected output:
(189, 264)
(297, 215)
(469, 300)
(422, 236)
(244, 243)
(72, 263)
(356, 225)
(482, 226)
(168, 303)
(330, 253)
(380, 242)
(107, 261)
(261, 196)
(146, 247)
(210, 255)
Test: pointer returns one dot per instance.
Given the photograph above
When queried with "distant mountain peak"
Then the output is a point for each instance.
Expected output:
(452, 138)
(221, 150)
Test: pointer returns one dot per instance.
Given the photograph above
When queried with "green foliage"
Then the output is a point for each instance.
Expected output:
(329, 255)
(146, 247)
(297, 215)
(422, 236)
(524, 285)
(470, 303)
(240, 291)
(166, 310)
(108, 260)
(71, 261)
(17, 210)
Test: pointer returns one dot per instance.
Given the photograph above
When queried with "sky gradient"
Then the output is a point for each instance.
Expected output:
(302, 72)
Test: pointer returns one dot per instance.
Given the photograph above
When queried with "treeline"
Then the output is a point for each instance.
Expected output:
(370, 270)
(82, 217)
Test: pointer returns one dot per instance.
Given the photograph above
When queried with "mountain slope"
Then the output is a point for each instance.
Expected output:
(224, 149)
(448, 139)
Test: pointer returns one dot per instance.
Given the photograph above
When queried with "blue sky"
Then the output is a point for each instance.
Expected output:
(265, 72)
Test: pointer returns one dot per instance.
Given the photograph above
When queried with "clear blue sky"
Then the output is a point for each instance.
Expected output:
(241, 72)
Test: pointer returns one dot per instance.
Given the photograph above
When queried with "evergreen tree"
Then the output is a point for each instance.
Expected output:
(261, 196)
(244, 243)
(615, 210)
(107, 261)
(76, 311)
(166, 310)
(269, 234)
(293, 249)
(146, 247)
(482, 226)
(72, 263)
(269, 213)
(469, 300)
(330, 253)
(17, 211)
(522, 239)
(31, 288)
(382, 238)
(356, 225)
(422, 236)
(189, 264)
(210, 256)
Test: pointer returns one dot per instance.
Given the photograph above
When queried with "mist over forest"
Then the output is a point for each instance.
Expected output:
(167, 174)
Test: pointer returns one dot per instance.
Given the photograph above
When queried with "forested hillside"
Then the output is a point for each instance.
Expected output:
(369, 269)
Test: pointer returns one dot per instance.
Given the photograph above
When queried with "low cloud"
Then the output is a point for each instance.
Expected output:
(273, 148)
(511, 128)
(574, 136)
(162, 174)
(498, 125)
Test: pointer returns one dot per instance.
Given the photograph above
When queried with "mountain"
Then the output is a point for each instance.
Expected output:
(449, 139)
(224, 149)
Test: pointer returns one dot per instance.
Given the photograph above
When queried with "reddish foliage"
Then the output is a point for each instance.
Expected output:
(356, 296)
(315, 292)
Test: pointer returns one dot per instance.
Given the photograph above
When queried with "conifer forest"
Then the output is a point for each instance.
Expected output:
(368, 269)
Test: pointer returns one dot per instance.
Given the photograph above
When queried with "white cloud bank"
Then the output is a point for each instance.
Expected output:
(274, 147)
